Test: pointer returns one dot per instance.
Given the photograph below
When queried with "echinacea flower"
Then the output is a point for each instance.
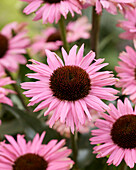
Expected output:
(83, 27)
(127, 73)
(4, 91)
(51, 39)
(20, 155)
(129, 25)
(13, 43)
(116, 134)
(70, 88)
(51, 10)
(65, 131)
(108, 5)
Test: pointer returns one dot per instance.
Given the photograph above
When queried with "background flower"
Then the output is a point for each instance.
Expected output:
(13, 44)
(116, 134)
(65, 131)
(4, 91)
(50, 38)
(129, 25)
(127, 73)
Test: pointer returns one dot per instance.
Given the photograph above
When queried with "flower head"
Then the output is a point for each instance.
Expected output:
(51, 10)
(34, 155)
(129, 25)
(51, 39)
(127, 73)
(13, 43)
(3, 91)
(116, 134)
(108, 5)
(83, 27)
(70, 88)
(65, 131)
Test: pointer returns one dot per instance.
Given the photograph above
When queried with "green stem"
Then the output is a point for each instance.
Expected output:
(74, 149)
(17, 90)
(95, 31)
(62, 28)
(123, 166)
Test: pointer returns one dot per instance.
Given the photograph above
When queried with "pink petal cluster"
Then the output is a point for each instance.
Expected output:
(17, 45)
(102, 135)
(51, 39)
(65, 131)
(127, 73)
(108, 5)
(129, 25)
(79, 29)
(76, 112)
(42, 42)
(50, 11)
(3, 91)
(53, 153)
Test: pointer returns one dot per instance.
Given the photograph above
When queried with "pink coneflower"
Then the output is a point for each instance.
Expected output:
(129, 25)
(127, 73)
(13, 43)
(73, 87)
(51, 10)
(65, 131)
(3, 91)
(19, 155)
(108, 5)
(51, 39)
(117, 134)
(83, 27)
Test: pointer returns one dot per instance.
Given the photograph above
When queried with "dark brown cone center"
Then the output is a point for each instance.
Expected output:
(54, 37)
(70, 83)
(30, 162)
(123, 132)
(3, 45)
(52, 1)
(135, 73)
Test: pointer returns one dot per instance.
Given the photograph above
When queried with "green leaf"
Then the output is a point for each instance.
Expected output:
(11, 128)
(28, 120)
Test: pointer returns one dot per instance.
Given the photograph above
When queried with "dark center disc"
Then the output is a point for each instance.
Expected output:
(30, 162)
(123, 132)
(70, 83)
(54, 37)
(52, 1)
(3, 45)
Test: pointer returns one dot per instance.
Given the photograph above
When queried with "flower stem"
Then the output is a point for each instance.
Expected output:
(95, 31)
(74, 149)
(62, 28)
(17, 90)
(123, 166)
